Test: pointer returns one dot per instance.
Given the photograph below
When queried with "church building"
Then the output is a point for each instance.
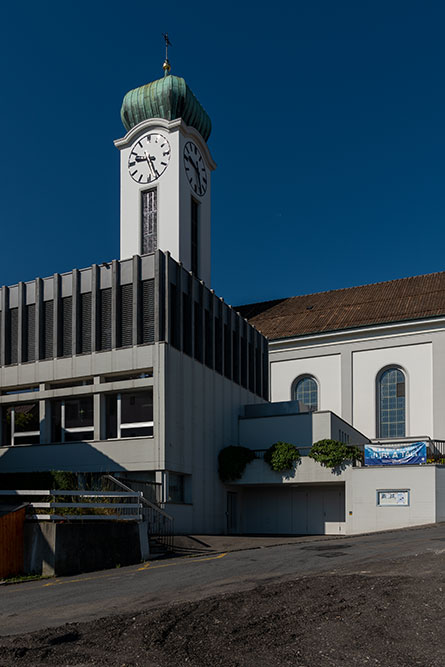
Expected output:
(137, 368)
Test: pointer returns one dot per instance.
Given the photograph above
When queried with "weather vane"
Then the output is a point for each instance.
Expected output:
(166, 66)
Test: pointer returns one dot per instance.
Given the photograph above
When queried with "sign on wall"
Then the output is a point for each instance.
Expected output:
(376, 455)
(393, 498)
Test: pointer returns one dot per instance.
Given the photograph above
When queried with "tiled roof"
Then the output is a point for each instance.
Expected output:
(393, 301)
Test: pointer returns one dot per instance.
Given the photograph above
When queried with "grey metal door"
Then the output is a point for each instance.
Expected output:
(232, 512)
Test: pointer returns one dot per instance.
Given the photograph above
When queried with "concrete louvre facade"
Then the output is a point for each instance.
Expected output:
(201, 362)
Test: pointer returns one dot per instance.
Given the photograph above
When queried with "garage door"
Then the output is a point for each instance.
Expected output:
(302, 510)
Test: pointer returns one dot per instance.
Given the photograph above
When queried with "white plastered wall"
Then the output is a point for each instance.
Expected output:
(173, 197)
(416, 362)
(325, 369)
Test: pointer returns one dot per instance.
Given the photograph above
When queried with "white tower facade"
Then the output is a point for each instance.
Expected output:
(165, 175)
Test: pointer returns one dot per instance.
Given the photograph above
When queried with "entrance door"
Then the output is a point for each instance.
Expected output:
(232, 512)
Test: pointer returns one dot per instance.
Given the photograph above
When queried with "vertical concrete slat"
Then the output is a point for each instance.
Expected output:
(178, 305)
(115, 283)
(160, 297)
(75, 289)
(4, 325)
(39, 319)
(137, 309)
(95, 327)
(45, 418)
(57, 312)
(20, 321)
(167, 299)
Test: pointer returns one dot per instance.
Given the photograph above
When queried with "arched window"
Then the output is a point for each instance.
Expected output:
(391, 403)
(306, 391)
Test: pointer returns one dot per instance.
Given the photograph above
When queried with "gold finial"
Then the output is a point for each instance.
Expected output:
(166, 66)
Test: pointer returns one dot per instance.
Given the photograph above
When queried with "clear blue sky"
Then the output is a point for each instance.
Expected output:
(328, 131)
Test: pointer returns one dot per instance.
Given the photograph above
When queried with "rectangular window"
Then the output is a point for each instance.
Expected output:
(72, 419)
(21, 425)
(149, 222)
(176, 488)
(130, 414)
(195, 237)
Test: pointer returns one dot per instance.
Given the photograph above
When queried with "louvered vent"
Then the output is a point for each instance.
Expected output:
(48, 329)
(85, 323)
(29, 342)
(126, 337)
(148, 311)
(105, 319)
(67, 326)
(14, 335)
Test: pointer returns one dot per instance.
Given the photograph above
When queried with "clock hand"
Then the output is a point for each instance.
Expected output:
(150, 165)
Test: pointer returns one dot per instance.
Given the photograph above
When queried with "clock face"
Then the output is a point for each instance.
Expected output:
(195, 169)
(149, 158)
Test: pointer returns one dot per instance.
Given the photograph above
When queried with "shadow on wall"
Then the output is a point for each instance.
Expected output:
(75, 457)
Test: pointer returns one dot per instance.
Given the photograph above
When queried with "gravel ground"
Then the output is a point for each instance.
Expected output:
(390, 614)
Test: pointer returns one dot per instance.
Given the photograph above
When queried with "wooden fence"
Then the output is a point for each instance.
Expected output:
(11, 542)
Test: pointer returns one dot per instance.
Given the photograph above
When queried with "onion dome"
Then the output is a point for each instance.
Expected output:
(168, 98)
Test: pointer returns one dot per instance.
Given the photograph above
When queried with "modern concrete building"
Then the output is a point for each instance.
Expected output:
(137, 368)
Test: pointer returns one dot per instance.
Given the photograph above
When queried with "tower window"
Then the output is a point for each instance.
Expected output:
(195, 237)
(149, 222)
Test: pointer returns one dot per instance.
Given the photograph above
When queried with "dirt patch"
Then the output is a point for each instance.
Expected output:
(389, 614)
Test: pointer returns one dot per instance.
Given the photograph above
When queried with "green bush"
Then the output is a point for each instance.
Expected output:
(282, 456)
(232, 462)
(332, 453)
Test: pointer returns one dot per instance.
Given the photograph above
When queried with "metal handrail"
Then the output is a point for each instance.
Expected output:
(160, 523)
(144, 500)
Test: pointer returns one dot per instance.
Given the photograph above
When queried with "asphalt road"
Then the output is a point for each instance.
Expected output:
(35, 605)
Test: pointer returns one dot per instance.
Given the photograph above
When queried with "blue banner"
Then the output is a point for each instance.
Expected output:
(376, 455)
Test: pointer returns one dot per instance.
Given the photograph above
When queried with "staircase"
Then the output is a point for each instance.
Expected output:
(160, 525)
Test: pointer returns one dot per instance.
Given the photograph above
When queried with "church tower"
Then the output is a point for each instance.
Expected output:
(165, 174)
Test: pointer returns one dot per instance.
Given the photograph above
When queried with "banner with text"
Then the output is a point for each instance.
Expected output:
(376, 455)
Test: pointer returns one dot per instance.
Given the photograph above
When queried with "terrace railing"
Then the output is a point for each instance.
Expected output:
(69, 505)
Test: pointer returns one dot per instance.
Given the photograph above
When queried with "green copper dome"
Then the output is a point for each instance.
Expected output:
(168, 98)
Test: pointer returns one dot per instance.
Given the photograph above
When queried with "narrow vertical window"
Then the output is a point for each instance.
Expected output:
(195, 237)
(391, 404)
(149, 222)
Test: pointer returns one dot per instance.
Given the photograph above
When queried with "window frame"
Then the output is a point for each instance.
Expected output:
(154, 235)
(127, 425)
(20, 434)
(296, 382)
(72, 429)
(378, 381)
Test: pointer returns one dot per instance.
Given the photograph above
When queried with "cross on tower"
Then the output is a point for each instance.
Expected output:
(166, 65)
